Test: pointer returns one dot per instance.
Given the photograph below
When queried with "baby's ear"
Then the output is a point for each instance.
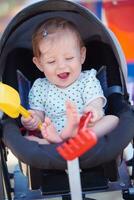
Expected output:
(37, 62)
(83, 54)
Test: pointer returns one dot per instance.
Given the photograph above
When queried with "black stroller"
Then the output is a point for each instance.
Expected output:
(45, 165)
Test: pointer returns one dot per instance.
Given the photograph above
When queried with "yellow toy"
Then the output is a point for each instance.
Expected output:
(10, 102)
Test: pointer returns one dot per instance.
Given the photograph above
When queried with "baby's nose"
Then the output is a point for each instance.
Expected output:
(61, 64)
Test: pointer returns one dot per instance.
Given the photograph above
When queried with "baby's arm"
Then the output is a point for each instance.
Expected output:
(101, 124)
(96, 108)
(32, 122)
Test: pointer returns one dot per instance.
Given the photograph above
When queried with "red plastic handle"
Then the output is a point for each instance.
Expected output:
(84, 120)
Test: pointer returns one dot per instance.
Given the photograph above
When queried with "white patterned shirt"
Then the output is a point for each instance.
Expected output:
(47, 97)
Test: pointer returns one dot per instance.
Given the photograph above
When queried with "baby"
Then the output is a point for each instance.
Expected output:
(66, 92)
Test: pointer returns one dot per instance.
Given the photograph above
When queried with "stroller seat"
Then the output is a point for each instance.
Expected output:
(103, 52)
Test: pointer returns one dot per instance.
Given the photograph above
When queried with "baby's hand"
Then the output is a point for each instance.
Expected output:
(31, 123)
(96, 113)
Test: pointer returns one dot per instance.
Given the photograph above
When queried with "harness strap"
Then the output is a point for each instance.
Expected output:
(114, 89)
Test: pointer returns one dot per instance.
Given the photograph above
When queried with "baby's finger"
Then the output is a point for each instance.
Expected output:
(26, 120)
(94, 117)
(44, 133)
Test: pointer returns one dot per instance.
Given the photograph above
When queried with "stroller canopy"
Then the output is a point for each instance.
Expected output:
(18, 32)
(16, 53)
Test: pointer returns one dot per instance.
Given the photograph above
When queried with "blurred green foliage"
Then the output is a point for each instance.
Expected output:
(7, 5)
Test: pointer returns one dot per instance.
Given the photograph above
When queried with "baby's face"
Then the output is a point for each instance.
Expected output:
(61, 58)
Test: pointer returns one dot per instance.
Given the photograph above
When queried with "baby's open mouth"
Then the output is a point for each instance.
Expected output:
(63, 75)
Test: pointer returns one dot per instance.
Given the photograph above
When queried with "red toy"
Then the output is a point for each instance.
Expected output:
(84, 140)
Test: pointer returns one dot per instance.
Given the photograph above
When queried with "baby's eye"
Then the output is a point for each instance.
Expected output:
(51, 61)
(69, 58)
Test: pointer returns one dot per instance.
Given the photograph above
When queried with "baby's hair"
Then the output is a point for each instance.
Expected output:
(49, 27)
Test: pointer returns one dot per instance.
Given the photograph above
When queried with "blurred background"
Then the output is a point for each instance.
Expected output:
(118, 15)
(8, 8)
